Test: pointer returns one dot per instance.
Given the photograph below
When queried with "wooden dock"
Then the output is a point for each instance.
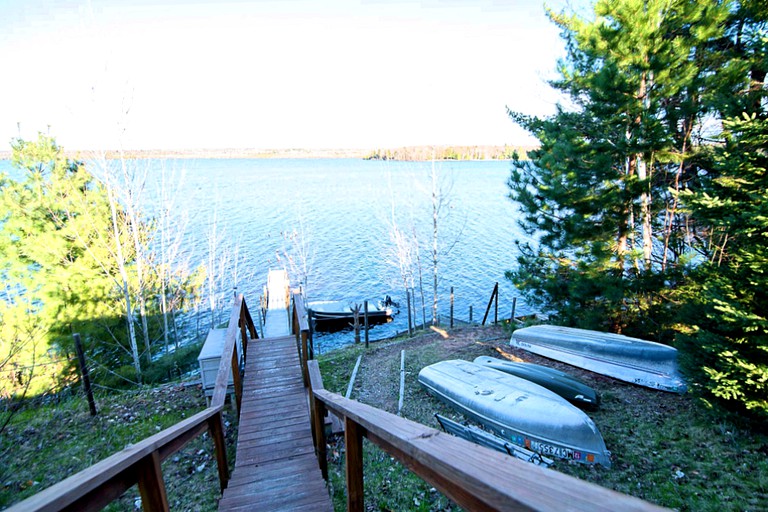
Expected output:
(275, 466)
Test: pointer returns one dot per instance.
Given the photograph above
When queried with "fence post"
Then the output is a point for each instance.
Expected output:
(451, 307)
(84, 373)
(495, 295)
(353, 442)
(514, 306)
(496, 306)
(365, 316)
(410, 325)
(470, 314)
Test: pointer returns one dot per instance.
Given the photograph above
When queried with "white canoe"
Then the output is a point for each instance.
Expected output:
(633, 360)
(517, 410)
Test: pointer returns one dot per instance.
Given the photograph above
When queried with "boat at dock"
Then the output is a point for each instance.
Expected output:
(517, 410)
(632, 360)
(340, 314)
(573, 390)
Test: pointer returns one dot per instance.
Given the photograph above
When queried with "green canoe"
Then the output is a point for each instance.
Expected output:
(556, 381)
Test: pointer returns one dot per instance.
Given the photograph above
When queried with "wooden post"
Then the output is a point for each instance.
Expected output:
(216, 427)
(84, 373)
(303, 358)
(236, 380)
(470, 314)
(496, 307)
(512, 315)
(410, 324)
(261, 322)
(319, 427)
(243, 333)
(451, 306)
(365, 316)
(318, 412)
(151, 486)
(310, 333)
(249, 321)
(353, 441)
(494, 295)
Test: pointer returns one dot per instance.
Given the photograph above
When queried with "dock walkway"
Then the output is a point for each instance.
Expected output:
(275, 466)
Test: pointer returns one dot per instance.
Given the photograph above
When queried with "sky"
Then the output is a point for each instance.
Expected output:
(186, 74)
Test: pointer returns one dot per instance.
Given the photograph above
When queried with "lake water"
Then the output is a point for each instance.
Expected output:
(342, 210)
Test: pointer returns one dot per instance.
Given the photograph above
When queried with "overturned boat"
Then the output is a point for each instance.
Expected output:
(556, 381)
(633, 360)
(518, 410)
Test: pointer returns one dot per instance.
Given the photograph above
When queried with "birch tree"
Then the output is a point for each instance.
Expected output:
(57, 252)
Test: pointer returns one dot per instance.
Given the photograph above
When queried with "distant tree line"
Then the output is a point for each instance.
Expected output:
(426, 153)
(649, 192)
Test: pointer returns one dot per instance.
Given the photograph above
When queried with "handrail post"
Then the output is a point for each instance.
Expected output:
(154, 497)
(353, 442)
(237, 382)
(243, 333)
(304, 355)
(249, 322)
(319, 427)
(216, 427)
(317, 413)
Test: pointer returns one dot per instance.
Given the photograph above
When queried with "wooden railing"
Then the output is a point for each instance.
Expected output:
(97, 486)
(300, 329)
(473, 476)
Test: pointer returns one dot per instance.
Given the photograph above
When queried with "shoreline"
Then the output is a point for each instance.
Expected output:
(405, 153)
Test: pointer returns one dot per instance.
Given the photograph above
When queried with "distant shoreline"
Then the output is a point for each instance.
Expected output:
(412, 153)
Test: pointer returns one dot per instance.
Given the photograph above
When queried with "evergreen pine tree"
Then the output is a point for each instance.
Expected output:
(726, 317)
(599, 192)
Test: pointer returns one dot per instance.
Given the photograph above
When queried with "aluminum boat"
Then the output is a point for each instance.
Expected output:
(518, 410)
(633, 360)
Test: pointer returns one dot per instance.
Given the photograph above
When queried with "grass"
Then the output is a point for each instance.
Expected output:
(668, 449)
(48, 443)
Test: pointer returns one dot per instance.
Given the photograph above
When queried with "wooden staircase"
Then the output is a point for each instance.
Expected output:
(275, 467)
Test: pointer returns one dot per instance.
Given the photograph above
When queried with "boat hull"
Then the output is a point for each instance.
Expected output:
(518, 410)
(556, 381)
(639, 362)
(335, 315)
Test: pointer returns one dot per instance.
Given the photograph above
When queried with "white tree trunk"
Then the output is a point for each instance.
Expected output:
(124, 285)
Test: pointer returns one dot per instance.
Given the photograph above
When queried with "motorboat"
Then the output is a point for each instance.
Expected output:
(335, 313)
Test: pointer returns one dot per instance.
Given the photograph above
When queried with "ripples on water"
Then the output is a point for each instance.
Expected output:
(344, 207)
